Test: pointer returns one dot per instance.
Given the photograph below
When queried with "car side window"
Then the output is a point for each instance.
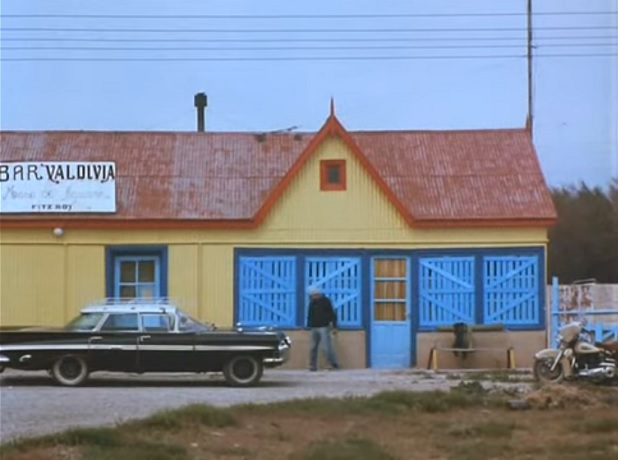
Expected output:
(156, 323)
(121, 322)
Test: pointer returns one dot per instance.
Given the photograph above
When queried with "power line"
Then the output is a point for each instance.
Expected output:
(288, 40)
(284, 48)
(158, 30)
(300, 16)
(299, 58)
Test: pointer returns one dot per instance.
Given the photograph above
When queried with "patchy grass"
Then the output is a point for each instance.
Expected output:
(482, 429)
(137, 451)
(466, 394)
(350, 448)
(466, 423)
(502, 376)
(189, 416)
(597, 426)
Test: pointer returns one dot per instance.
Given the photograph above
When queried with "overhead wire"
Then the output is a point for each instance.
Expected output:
(300, 16)
(290, 48)
(288, 40)
(302, 58)
(338, 30)
(333, 40)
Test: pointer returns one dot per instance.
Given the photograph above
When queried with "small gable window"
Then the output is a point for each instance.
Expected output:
(332, 175)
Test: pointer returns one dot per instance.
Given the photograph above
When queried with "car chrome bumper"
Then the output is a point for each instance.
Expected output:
(284, 354)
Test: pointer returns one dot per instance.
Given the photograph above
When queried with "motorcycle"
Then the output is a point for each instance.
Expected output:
(577, 358)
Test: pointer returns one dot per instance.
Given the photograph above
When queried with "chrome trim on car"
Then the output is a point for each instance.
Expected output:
(25, 358)
(4, 359)
(86, 346)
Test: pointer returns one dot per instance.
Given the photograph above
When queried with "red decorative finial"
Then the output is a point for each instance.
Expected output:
(332, 107)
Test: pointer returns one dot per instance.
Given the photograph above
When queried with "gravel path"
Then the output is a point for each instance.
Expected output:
(31, 404)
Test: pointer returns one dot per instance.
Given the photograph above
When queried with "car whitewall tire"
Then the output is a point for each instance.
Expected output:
(70, 370)
(243, 370)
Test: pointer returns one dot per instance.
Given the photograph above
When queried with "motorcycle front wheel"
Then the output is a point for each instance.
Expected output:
(544, 373)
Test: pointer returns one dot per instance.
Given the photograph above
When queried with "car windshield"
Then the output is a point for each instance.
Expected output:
(186, 323)
(84, 322)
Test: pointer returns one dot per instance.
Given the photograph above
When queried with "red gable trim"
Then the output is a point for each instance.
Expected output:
(332, 127)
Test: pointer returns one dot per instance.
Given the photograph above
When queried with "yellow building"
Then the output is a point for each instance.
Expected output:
(405, 231)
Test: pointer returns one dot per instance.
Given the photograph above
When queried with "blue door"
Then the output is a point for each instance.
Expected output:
(391, 332)
(512, 290)
(267, 291)
(340, 279)
(446, 291)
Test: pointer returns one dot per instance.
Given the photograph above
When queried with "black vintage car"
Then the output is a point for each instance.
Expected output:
(139, 337)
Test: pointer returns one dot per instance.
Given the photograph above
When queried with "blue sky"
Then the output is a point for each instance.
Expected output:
(576, 98)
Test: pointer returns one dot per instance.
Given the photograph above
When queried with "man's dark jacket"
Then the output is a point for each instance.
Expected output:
(321, 313)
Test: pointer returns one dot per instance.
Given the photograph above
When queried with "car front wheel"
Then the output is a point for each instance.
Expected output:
(70, 371)
(243, 371)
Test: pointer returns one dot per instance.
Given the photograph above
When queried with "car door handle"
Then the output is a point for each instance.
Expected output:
(144, 337)
(95, 338)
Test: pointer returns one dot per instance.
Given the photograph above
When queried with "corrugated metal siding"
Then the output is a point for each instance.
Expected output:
(269, 235)
(183, 276)
(461, 174)
(217, 284)
(85, 277)
(172, 175)
(33, 285)
(208, 176)
(351, 215)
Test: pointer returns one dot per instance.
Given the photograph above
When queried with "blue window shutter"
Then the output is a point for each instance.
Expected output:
(339, 278)
(267, 291)
(511, 290)
(446, 290)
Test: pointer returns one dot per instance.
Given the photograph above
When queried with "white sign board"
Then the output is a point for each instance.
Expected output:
(57, 187)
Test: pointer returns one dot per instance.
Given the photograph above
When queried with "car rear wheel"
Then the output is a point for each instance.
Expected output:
(243, 371)
(70, 371)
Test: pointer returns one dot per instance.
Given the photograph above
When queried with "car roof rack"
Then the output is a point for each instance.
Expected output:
(133, 304)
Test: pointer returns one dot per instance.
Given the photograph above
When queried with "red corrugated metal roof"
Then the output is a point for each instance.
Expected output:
(491, 174)
(430, 176)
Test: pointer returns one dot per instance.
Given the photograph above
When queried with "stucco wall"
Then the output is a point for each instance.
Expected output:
(525, 344)
(349, 345)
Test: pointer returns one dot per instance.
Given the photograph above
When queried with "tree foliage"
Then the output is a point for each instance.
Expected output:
(584, 241)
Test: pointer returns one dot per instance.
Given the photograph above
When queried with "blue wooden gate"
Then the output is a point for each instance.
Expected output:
(340, 279)
(511, 290)
(391, 331)
(267, 291)
(446, 291)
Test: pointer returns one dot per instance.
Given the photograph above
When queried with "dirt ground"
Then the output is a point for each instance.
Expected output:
(560, 422)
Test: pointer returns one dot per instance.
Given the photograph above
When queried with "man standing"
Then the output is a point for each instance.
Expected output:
(320, 319)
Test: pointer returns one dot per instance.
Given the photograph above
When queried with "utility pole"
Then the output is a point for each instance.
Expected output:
(530, 118)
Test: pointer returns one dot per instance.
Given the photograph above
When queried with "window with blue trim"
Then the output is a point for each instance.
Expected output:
(137, 277)
(136, 272)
